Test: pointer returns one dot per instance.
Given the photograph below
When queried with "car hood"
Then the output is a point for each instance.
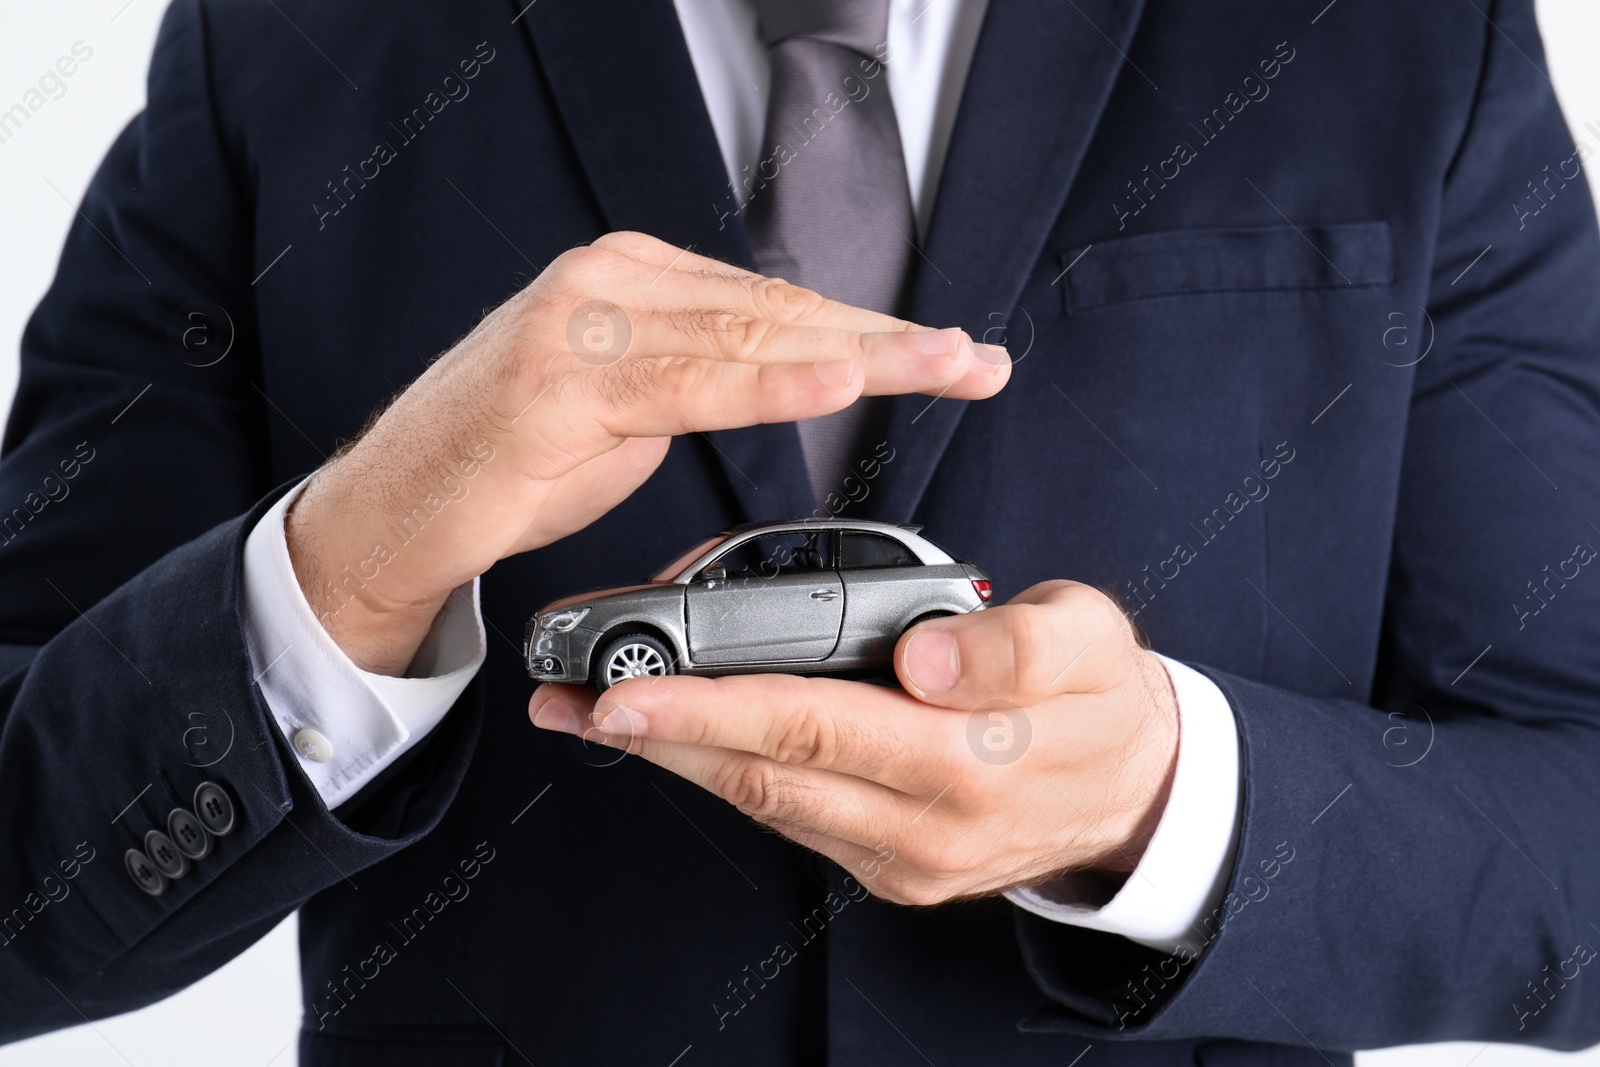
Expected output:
(598, 596)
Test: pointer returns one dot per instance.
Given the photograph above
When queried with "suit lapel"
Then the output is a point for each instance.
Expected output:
(627, 92)
(1039, 80)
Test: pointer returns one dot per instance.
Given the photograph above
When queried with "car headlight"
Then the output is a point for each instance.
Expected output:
(559, 622)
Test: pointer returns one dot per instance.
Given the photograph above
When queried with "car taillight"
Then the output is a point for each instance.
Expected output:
(984, 588)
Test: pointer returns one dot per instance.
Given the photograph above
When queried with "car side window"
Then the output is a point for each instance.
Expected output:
(864, 550)
(791, 552)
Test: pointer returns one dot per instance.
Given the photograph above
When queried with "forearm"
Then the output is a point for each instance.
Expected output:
(1373, 902)
(346, 725)
(98, 749)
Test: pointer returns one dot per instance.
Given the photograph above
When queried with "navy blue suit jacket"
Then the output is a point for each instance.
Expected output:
(1308, 374)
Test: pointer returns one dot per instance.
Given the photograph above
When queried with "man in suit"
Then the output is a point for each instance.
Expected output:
(1264, 332)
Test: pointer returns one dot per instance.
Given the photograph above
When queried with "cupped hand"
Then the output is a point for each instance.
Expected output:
(562, 402)
(1031, 739)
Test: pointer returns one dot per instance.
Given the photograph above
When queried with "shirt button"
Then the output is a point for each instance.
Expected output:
(214, 808)
(312, 745)
(143, 872)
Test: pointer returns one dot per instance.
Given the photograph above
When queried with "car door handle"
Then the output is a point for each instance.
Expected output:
(824, 594)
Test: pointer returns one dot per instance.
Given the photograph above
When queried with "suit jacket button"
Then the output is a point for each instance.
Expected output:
(144, 873)
(187, 833)
(165, 855)
(214, 807)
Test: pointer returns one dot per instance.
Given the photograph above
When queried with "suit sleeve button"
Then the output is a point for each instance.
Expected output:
(214, 807)
(165, 855)
(191, 838)
(312, 745)
(144, 873)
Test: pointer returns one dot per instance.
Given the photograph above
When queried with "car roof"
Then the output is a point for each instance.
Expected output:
(824, 524)
(907, 534)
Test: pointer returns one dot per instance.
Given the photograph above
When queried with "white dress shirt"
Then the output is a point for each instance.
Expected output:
(347, 724)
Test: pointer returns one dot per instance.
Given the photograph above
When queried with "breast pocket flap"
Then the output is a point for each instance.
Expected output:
(1228, 260)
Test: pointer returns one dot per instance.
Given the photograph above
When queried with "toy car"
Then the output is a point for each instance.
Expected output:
(798, 597)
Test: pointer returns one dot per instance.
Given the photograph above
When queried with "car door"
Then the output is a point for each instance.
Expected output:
(885, 587)
(780, 601)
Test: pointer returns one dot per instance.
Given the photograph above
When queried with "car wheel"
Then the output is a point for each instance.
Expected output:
(924, 617)
(632, 656)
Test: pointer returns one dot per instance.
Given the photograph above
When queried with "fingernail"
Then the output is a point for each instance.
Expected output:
(621, 722)
(933, 664)
(937, 342)
(994, 355)
(556, 714)
(836, 372)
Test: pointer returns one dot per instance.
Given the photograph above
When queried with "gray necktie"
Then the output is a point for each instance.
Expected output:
(830, 208)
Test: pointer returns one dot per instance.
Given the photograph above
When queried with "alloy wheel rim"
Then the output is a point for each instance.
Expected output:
(634, 660)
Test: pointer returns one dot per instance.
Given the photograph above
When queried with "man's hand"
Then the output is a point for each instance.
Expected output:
(562, 402)
(1032, 739)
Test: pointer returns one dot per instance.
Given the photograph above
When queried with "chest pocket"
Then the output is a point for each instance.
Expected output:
(1233, 259)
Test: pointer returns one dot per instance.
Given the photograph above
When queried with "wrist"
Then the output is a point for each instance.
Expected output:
(1150, 766)
(346, 570)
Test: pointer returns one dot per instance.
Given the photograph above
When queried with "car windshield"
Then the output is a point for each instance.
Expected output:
(675, 568)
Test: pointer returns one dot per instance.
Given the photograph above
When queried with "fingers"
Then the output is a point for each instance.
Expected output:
(673, 277)
(672, 397)
(846, 727)
(898, 361)
(785, 794)
(770, 299)
(792, 800)
(578, 416)
(562, 708)
(688, 344)
(849, 728)
(1057, 637)
(862, 826)
(658, 253)
(680, 303)
(668, 397)
(899, 845)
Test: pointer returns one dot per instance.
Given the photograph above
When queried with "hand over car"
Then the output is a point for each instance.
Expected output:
(554, 432)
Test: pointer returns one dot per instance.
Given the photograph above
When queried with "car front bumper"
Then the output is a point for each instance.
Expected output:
(557, 657)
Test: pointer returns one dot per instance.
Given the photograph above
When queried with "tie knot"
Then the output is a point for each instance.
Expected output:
(860, 25)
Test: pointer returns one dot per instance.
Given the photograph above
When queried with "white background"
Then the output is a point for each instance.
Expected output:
(246, 1014)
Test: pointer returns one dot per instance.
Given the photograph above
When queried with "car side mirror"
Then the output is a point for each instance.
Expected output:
(717, 572)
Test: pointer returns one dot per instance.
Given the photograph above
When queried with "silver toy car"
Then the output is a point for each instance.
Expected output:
(798, 597)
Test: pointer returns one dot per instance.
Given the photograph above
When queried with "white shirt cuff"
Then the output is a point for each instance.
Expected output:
(1184, 872)
(345, 724)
